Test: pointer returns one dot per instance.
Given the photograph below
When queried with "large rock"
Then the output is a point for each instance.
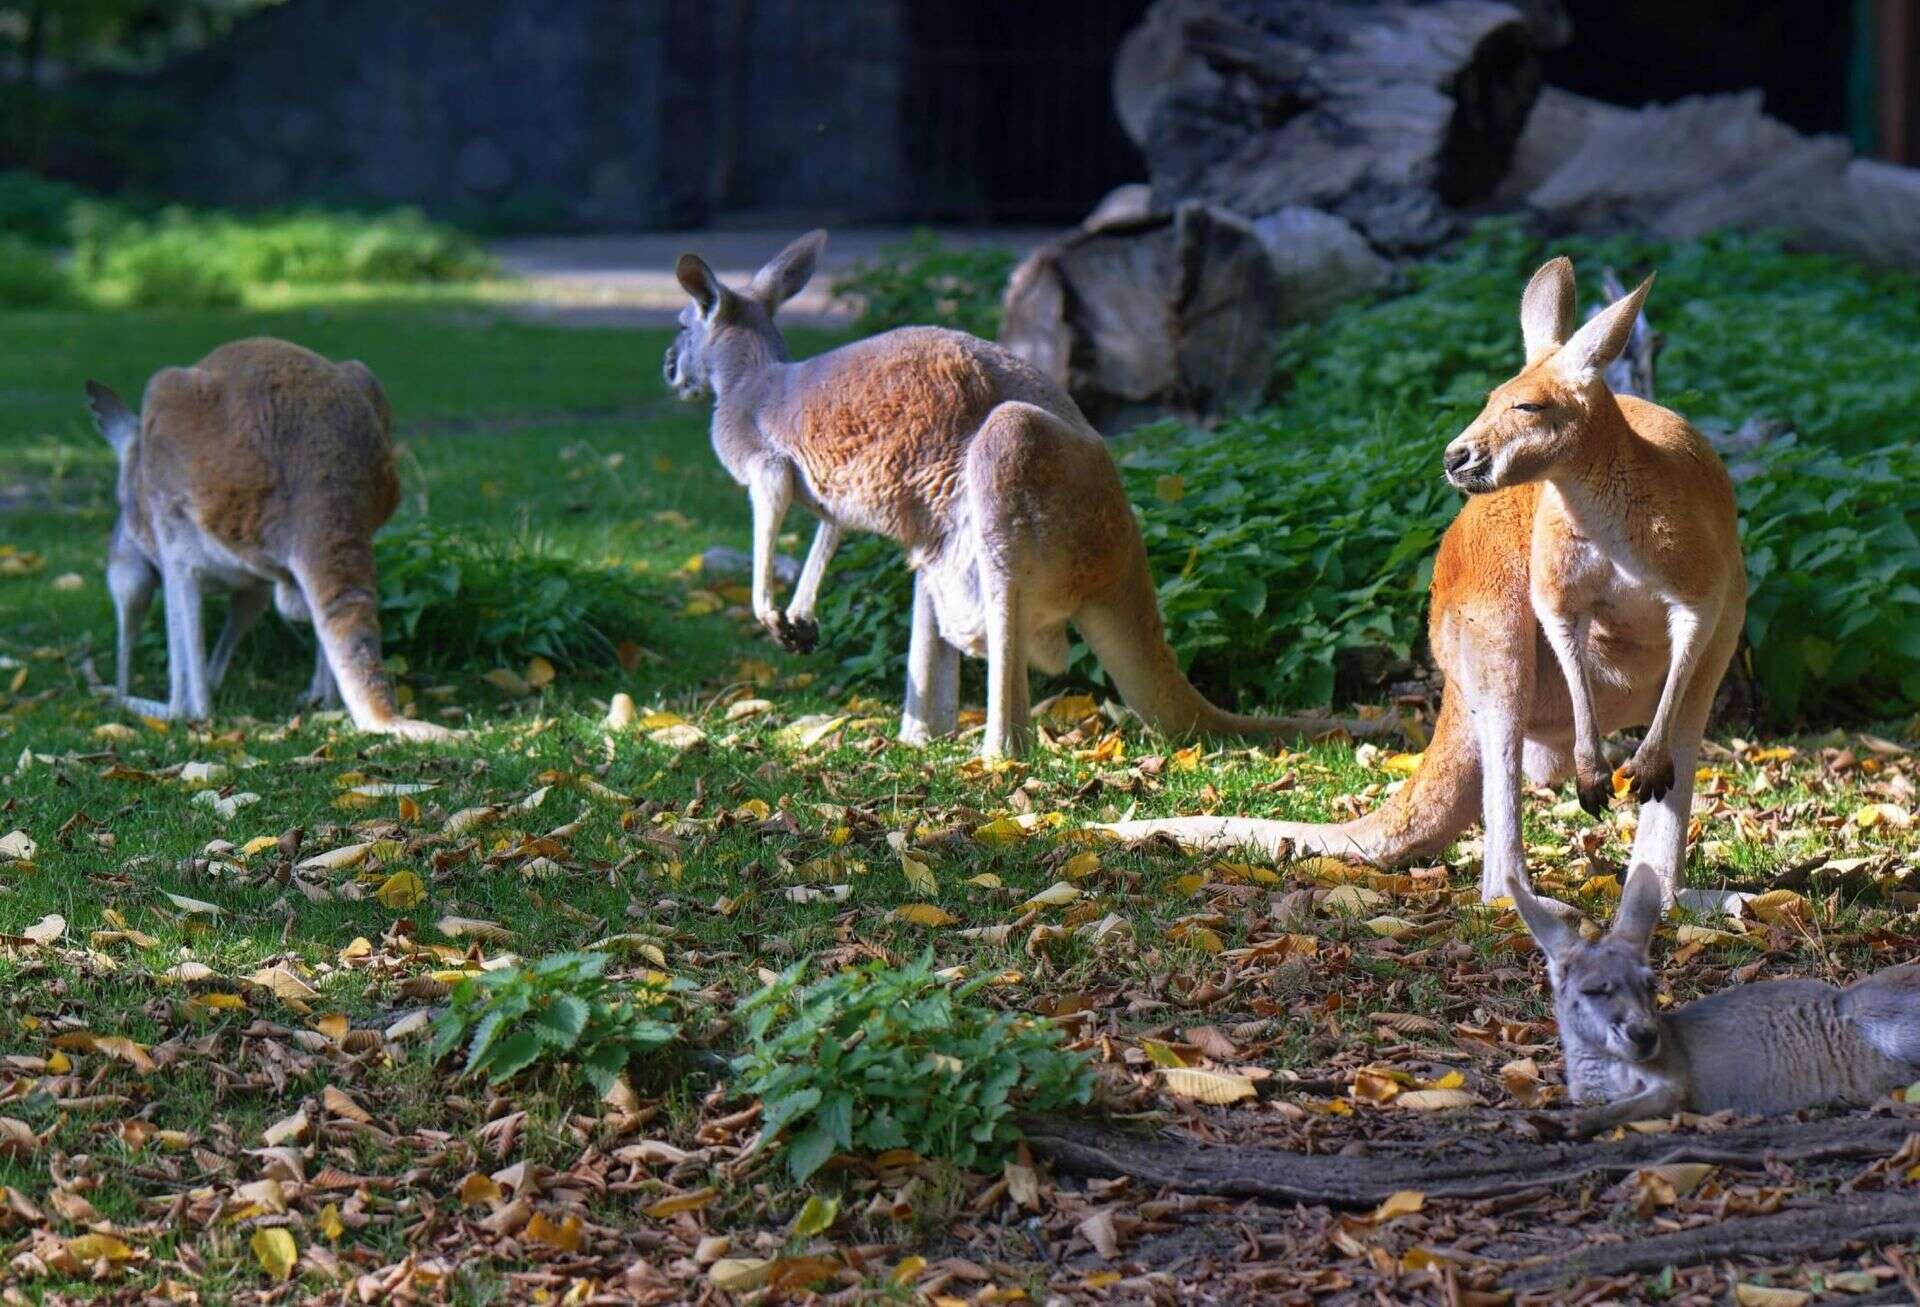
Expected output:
(1388, 115)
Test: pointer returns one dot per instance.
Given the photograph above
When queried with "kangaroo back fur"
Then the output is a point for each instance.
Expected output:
(1008, 505)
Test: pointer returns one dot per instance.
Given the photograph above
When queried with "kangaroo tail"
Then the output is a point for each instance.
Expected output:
(1122, 626)
(1438, 801)
(337, 581)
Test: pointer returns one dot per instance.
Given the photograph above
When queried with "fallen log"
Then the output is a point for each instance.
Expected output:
(1459, 1166)
(1821, 1229)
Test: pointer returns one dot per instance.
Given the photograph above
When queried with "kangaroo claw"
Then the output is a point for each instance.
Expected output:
(1649, 780)
(1596, 793)
(797, 636)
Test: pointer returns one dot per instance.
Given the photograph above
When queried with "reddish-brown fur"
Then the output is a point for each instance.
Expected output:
(1609, 514)
(263, 466)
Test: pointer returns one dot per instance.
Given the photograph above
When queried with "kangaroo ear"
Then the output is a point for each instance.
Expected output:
(117, 423)
(1546, 308)
(1599, 342)
(1555, 935)
(788, 272)
(1642, 905)
(699, 281)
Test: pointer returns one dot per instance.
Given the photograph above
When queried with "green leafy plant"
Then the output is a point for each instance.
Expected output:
(172, 269)
(37, 209)
(30, 278)
(448, 597)
(560, 1009)
(1296, 541)
(923, 281)
(882, 1057)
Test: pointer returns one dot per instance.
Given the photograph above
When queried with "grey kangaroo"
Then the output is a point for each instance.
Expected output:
(1771, 1047)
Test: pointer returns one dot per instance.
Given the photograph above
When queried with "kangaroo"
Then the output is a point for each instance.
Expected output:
(263, 469)
(1010, 509)
(1592, 581)
(1771, 1047)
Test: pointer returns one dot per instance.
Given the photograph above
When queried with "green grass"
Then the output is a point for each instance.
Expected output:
(682, 860)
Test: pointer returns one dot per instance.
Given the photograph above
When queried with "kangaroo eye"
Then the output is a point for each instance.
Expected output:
(1597, 991)
(1531, 408)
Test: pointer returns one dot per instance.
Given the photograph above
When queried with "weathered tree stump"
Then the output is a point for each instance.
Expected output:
(1388, 115)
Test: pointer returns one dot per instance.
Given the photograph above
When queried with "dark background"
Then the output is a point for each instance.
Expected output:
(618, 114)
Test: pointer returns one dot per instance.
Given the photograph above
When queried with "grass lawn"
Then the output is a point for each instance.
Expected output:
(218, 1041)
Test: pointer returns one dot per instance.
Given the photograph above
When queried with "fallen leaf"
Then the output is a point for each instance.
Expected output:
(1435, 1100)
(1214, 1087)
(401, 890)
(47, 929)
(277, 1251)
(923, 914)
(740, 1274)
(1402, 1202)
(816, 1217)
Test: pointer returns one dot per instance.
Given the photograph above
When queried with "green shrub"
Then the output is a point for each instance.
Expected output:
(892, 1057)
(222, 255)
(171, 268)
(922, 281)
(448, 598)
(560, 1009)
(37, 209)
(30, 278)
(1308, 527)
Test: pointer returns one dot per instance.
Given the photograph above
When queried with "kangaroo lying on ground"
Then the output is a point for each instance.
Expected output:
(264, 469)
(1775, 1046)
(1592, 581)
(1008, 505)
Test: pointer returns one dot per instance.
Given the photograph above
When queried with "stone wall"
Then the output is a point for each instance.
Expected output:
(585, 114)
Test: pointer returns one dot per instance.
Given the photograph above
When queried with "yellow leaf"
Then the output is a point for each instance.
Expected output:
(740, 1274)
(403, 889)
(477, 1190)
(1403, 1202)
(907, 1271)
(1068, 709)
(1778, 907)
(1400, 764)
(1758, 1295)
(568, 1235)
(539, 672)
(1215, 1087)
(1204, 938)
(1081, 865)
(1704, 935)
(924, 914)
(258, 844)
(1189, 884)
(277, 1251)
(985, 880)
(1890, 816)
(920, 878)
(1170, 489)
(1435, 1100)
(1161, 1056)
(1001, 830)
(816, 1217)
(1391, 927)
(1451, 1080)
(1058, 894)
(281, 981)
(286, 1130)
(507, 681)
(687, 1202)
(92, 1248)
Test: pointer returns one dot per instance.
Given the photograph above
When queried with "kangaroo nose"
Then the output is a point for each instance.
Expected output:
(1457, 457)
(1644, 1037)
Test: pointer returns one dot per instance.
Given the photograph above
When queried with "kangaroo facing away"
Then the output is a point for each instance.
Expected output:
(1592, 581)
(1007, 502)
(1760, 1049)
(263, 469)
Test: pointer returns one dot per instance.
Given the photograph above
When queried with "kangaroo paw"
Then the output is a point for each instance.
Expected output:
(1596, 792)
(797, 635)
(407, 728)
(1650, 775)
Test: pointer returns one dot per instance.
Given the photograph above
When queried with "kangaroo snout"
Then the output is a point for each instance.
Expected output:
(1644, 1039)
(1466, 467)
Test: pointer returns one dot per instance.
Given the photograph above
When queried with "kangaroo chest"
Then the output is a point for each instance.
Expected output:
(1584, 565)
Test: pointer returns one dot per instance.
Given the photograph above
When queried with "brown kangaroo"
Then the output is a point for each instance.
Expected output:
(263, 469)
(1007, 502)
(1593, 581)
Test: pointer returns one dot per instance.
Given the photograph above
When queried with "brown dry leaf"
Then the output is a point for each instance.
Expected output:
(288, 1129)
(1780, 907)
(47, 929)
(568, 1235)
(491, 932)
(923, 914)
(280, 981)
(740, 1274)
(1403, 1202)
(478, 1190)
(1758, 1295)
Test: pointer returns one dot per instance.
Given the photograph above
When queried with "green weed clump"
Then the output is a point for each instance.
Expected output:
(924, 282)
(189, 259)
(449, 598)
(30, 278)
(1305, 530)
(560, 1010)
(882, 1057)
